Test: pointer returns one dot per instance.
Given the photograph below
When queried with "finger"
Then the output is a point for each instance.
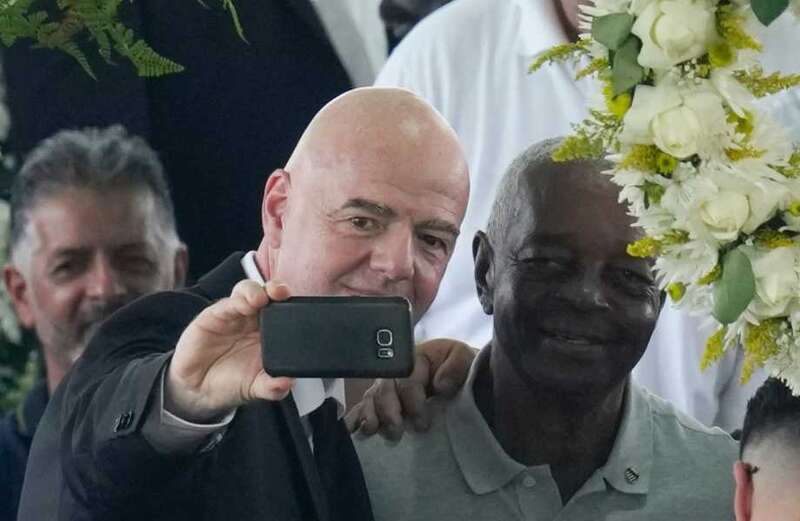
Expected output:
(266, 387)
(368, 421)
(450, 361)
(388, 409)
(277, 290)
(352, 419)
(412, 395)
(250, 292)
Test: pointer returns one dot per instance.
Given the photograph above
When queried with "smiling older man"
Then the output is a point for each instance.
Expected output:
(169, 414)
(549, 425)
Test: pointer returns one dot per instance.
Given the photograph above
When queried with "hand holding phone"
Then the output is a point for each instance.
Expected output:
(338, 337)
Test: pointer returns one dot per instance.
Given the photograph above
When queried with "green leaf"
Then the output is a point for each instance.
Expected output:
(768, 10)
(735, 289)
(626, 72)
(612, 29)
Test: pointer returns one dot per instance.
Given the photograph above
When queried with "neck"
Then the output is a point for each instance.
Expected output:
(55, 371)
(264, 259)
(573, 434)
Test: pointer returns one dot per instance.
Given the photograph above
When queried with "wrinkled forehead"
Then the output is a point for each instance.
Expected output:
(574, 200)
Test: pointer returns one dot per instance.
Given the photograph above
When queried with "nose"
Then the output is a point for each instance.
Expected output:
(586, 291)
(393, 254)
(103, 281)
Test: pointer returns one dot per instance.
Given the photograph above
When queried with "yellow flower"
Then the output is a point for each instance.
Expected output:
(665, 164)
(640, 157)
(760, 344)
(744, 125)
(720, 54)
(676, 291)
(794, 208)
(646, 247)
(711, 276)
(714, 349)
(771, 239)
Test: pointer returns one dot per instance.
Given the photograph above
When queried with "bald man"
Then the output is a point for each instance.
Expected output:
(169, 414)
(768, 474)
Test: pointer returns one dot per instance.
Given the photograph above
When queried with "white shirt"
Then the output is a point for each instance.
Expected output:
(469, 59)
(357, 35)
(167, 433)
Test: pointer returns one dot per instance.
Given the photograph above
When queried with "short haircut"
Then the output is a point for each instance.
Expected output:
(96, 159)
(773, 409)
(536, 158)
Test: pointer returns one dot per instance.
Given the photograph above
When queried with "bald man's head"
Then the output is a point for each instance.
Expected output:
(370, 201)
(768, 475)
(533, 173)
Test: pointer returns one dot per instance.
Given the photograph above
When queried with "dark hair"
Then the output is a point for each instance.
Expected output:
(773, 408)
(91, 158)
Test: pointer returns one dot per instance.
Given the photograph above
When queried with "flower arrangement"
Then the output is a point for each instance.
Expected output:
(712, 181)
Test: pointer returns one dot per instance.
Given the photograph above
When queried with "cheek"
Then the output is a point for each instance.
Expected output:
(56, 303)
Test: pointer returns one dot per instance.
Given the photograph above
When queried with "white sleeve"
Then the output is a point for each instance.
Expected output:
(167, 433)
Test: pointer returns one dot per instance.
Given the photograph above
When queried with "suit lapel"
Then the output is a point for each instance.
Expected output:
(219, 282)
(306, 458)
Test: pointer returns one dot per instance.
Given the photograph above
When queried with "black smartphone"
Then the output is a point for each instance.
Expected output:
(338, 337)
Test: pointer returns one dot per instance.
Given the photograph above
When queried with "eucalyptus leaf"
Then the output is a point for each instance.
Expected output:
(626, 72)
(768, 10)
(735, 288)
(612, 30)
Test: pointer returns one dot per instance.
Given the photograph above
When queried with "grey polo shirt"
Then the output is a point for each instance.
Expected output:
(664, 465)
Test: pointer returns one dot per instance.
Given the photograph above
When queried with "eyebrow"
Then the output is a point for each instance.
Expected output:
(381, 210)
(369, 206)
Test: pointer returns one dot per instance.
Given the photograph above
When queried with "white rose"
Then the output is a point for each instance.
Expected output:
(725, 214)
(679, 121)
(777, 282)
(674, 31)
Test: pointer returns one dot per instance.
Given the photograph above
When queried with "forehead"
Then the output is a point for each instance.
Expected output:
(84, 218)
(576, 203)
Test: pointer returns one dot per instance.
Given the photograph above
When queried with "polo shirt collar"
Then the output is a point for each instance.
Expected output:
(486, 467)
(539, 27)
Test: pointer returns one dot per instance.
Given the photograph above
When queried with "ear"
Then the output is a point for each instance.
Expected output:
(483, 254)
(743, 497)
(273, 208)
(19, 292)
(181, 265)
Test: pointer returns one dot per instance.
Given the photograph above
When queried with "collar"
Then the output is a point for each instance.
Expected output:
(308, 393)
(32, 408)
(487, 468)
(539, 27)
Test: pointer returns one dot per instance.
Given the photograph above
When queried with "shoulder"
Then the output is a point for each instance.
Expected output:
(679, 439)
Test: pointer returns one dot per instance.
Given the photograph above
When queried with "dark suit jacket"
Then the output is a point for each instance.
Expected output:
(16, 433)
(220, 127)
(262, 469)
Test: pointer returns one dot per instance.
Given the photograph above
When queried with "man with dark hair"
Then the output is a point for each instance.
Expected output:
(549, 424)
(92, 228)
(768, 473)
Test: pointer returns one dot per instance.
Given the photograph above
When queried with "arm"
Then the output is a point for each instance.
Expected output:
(215, 367)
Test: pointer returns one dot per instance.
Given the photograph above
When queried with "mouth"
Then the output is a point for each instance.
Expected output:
(573, 338)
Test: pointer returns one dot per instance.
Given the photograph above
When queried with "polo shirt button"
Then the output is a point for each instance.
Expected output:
(528, 482)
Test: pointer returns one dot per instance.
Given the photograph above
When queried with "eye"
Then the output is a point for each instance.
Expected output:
(434, 242)
(137, 264)
(633, 282)
(363, 223)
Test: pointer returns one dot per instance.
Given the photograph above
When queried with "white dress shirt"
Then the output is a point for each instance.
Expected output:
(470, 59)
(357, 35)
(168, 433)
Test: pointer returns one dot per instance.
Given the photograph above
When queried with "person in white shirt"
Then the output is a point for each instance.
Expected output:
(470, 59)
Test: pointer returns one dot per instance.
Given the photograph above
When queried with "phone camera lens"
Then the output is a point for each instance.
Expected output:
(384, 337)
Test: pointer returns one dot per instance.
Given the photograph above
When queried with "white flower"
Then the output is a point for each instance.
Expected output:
(681, 121)
(673, 31)
(738, 98)
(777, 280)
(725, 214)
